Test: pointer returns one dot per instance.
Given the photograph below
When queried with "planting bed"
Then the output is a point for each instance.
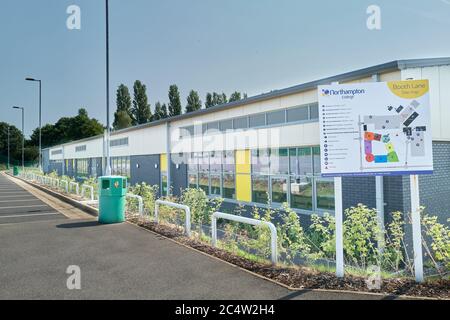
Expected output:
(302, 277)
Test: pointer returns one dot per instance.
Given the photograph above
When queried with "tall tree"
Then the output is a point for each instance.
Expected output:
(122, 120)
(219, 99)
(174, 101)
(235, 96)
(164, 112)
(122, 116)
(158, 114)
(209, 100)
(141, 112)
(193, 102)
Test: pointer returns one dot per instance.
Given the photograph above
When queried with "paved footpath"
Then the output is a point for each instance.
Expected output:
(40, 238)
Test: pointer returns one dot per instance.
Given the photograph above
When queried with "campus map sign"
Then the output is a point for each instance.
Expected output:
(379, 128)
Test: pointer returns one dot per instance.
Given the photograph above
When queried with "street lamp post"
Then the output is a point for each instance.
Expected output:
(23, 135)
(40, 119)
(8, 147)
(108, 130)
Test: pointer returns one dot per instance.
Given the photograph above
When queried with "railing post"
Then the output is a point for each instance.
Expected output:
(214, 231)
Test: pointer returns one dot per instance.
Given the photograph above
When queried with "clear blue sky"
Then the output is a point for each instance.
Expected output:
(207, 45)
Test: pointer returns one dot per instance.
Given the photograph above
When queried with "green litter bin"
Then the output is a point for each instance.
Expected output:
(16, 171)
(112, 196)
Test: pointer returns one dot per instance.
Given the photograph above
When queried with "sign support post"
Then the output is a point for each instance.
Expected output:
(339, 217)
(416, 228)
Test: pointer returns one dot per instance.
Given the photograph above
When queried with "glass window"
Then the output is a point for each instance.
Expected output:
(298, 114)
(325, 194)
(257, 120)
(279, 190)
(203, 182)
(316, 160)
(260, 189)
(240, 123)
(293, 161)
(192, 180)
(215, 185)
(279, 161)
(276, 117)
(314, 113)
(215, 164)
(302, 193)
(204, 162)
(228, 161)
(229, 186)
(226, 125)
(193, 162)
(305, 161)
(260, 161)
(212, 127)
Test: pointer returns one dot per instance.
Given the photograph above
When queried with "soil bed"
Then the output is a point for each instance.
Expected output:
(303, 277)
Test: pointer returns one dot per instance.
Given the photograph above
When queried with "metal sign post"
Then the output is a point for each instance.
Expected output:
(339, 217)
(416, 228)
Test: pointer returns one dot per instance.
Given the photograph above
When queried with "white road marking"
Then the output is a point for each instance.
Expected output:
(18, 207)
(21, 200)
(31, 215)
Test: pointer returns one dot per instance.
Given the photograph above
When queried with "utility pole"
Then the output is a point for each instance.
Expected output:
(40, 119)
(108, 129)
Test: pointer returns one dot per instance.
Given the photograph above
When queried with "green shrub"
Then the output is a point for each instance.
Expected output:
(149, 195)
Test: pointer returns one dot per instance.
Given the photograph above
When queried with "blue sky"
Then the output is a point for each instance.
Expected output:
(207, 45)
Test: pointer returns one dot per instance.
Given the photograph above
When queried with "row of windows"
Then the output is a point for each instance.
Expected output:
(80, 148)
(119, 142)
(120, 166)
(301, 192)
(291, 115)
(82, 167)
(293, 161)
(283, 175)
(56, 152)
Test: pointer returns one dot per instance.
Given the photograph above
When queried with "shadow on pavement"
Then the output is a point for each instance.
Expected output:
(294, 295)
(76, 225)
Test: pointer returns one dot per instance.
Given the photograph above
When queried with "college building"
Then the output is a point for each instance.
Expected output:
(265, 149)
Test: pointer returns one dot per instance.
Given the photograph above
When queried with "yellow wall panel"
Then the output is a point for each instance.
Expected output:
(243, 177)
(163, 160)
(243, 187)
(243, 161)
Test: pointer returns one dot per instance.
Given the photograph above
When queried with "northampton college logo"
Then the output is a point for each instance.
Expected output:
(325, 92)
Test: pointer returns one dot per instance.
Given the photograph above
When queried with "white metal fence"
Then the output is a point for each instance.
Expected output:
(254, 222)
(186, 209)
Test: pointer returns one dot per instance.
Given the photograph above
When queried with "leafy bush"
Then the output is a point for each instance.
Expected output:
(149, 196)
(440, 241)
(361, 234)
(202, 208)
(292, 238)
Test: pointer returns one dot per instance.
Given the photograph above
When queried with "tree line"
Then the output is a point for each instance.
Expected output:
(64, 130)
(136, 111)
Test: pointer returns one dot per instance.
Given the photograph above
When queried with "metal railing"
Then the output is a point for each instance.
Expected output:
(254, 222)
(140, 202)
(186, 209)
(90, 188)
(77, 187)
(66, 185)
